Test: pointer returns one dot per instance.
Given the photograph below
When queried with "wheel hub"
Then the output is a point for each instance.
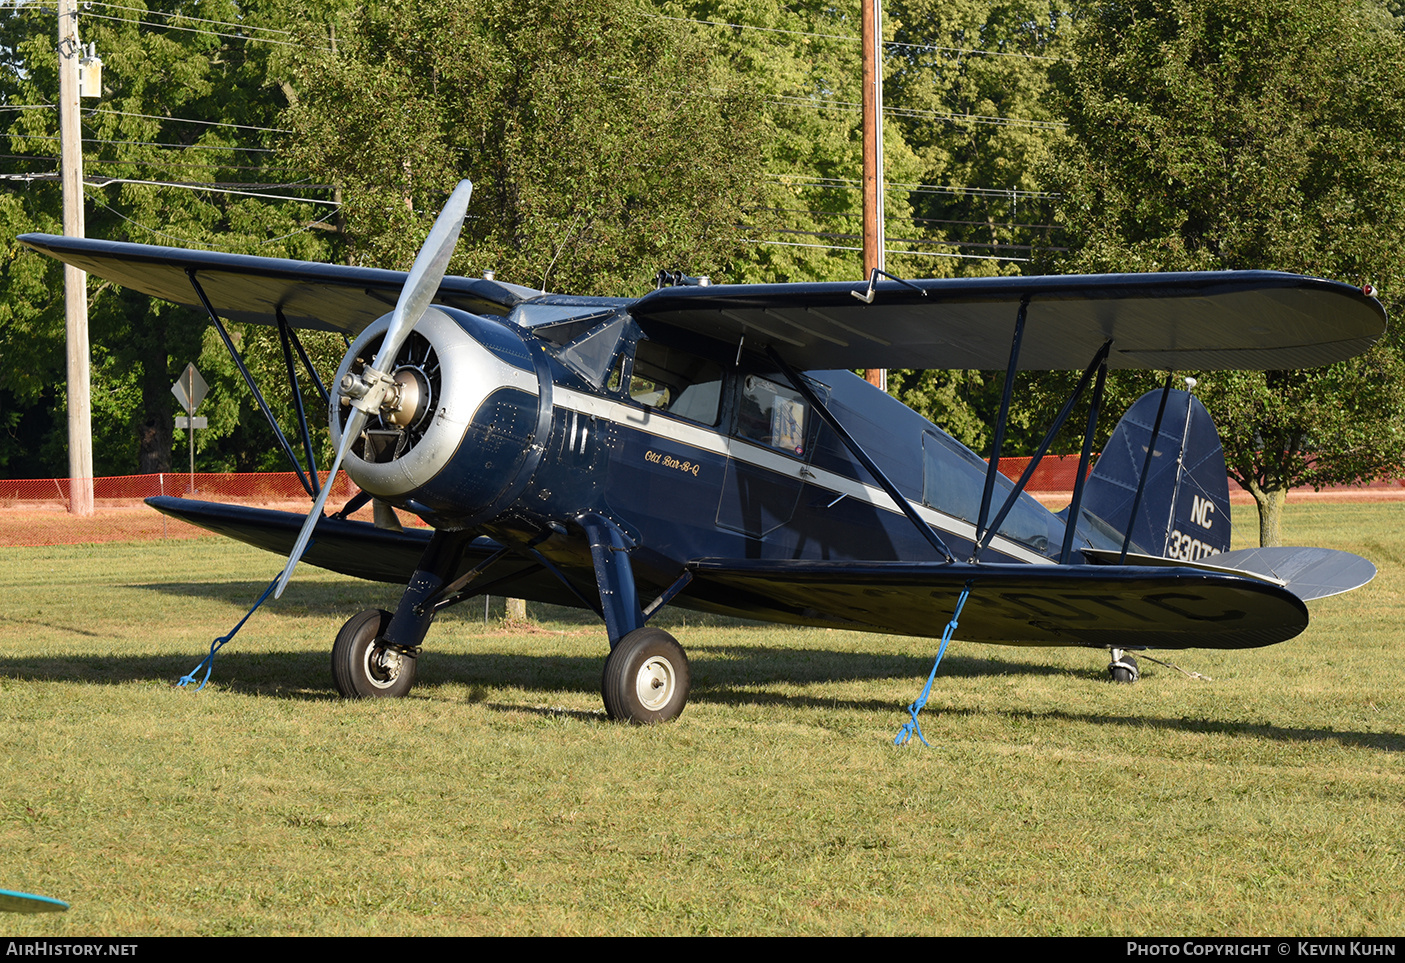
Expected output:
(383, 665)
(655, 683)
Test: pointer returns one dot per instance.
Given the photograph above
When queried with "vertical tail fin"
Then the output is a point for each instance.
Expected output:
(1184, 509)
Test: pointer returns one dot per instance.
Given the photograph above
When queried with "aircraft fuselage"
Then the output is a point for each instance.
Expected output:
(693, 449)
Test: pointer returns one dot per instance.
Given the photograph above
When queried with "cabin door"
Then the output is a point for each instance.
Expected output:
(769, 452)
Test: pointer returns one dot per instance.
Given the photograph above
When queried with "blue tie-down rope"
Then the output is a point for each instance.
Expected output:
(208, 663)
(911, 725)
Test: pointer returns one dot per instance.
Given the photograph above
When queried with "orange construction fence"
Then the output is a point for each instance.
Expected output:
(34, 511)
(211, 486)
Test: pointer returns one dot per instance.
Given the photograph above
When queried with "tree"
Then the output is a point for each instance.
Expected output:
(971, 95)
(604, 144)
(182, 138)
(969, 92)
(1229, 134)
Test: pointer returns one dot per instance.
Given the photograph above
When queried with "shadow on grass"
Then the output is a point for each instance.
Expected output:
(307, 674)
(722, 676)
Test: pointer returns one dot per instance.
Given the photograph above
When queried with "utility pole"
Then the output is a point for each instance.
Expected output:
(75, 282)
(873, 240)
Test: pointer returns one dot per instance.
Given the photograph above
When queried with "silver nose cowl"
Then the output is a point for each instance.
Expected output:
(443, 375)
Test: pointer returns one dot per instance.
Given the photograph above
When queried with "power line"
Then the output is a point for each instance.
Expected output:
(182, 16)
(233, 188)
(188, 120)
(159, 165)
(854, 215)
(849, 236)
(243, 28)
(147, 143)
(972, 50)
(852, 107)
(745, 26)
(847, 184)
(211, 188)
(189, 242)
(838, 247)
(854, 39)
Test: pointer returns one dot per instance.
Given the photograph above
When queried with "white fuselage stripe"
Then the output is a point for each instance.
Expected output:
(654, 423)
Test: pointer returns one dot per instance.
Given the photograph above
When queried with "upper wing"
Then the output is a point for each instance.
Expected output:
(331, 297)
(1094, 605)
(1249, 320)
(1202, 321)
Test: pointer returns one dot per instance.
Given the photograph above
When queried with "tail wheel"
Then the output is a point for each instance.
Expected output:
(1123, 668)
(646, 678)
(365, 668)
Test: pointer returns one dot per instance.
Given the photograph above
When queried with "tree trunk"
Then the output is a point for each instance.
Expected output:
(1270, 504)
(155, 433)
(516, 610)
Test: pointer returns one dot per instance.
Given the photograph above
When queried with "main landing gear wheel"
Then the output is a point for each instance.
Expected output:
(1123, 668)
(363, 668)
(646, 678)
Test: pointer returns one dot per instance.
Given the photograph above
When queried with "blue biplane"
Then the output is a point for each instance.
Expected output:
(706, 446)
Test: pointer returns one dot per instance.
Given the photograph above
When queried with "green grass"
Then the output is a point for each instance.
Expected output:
(497, 798)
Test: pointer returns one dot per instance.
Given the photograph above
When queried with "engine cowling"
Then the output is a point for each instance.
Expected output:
(462, 430)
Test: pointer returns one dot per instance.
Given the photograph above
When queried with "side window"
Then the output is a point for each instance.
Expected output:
(953, 481)
(950, 482)
(674, 381)
(772, 414)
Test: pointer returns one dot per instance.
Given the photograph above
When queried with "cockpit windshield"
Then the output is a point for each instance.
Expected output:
(586, 338)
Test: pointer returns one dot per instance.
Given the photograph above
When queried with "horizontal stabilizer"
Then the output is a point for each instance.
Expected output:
(1309, 573)
(1168, 607)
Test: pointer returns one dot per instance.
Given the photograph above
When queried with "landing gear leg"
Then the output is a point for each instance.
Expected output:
(1123, 667)
(375, 652)
(646, 674)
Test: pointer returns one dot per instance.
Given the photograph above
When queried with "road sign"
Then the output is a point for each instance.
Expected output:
(190, 388)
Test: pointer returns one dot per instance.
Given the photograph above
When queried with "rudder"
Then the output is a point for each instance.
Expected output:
(1184, 511)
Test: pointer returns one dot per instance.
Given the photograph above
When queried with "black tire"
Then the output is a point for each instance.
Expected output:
(364, 669)
(1124, 670)
(646, 678)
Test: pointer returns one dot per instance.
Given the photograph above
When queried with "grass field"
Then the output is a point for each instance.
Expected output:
(498, 800)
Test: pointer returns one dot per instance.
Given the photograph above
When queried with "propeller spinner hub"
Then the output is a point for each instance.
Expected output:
(411, 399)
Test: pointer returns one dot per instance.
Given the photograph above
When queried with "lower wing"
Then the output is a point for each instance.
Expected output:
(358, 549)
(1090, 605)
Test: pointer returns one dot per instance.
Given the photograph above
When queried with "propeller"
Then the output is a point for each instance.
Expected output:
(374, 387)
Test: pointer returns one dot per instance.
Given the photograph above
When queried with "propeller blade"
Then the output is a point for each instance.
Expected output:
(421, 285)
(354, 423)
(427, 273)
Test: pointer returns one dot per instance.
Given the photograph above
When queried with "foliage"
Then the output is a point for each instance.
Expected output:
(971, 95)
(970, 92)
(1225, 135)
(181, 105)
(603, 144)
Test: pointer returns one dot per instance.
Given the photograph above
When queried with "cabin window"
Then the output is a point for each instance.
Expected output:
(680, 383)
(772, 414)
(953, 482)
